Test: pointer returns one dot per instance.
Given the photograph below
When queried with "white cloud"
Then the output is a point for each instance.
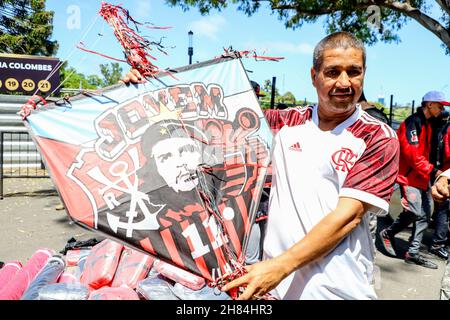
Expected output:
(208, 27)
(282, 47)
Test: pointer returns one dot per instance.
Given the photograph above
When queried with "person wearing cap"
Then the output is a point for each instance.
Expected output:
(415, 174)
(257, 88)
(440, 156)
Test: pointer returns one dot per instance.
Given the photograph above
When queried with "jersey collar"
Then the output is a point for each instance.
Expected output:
(343, 125)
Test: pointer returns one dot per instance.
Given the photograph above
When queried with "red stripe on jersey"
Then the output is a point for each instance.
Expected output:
(234, 182)
(200, 262)
(147, 245)
(243, 209)
(232, 233)
(171, 247)
(218, 251)
(165, 223)
(234, 171)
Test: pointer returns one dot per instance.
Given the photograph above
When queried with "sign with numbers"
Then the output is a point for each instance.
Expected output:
(28, 74)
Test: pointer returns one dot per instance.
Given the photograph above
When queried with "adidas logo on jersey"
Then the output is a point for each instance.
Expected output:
(296, 147)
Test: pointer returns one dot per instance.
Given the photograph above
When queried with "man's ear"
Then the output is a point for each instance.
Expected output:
(313, 76)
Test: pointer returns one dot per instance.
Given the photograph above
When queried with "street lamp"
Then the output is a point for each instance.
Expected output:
(190, 48)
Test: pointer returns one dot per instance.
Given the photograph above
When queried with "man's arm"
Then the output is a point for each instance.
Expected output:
(132, 76)
(440, 190)
(323, 238)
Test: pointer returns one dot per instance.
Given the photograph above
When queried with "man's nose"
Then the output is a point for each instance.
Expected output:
(343, 81)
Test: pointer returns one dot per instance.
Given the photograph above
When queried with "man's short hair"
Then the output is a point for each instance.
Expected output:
(336, 40)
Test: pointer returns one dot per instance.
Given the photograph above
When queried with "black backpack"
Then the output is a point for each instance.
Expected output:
(377, 114)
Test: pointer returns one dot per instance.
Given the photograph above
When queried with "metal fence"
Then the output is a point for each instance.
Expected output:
(19, 158)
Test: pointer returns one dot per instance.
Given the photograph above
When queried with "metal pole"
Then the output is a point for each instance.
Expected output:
(391, 110)
(191, 47)
(272, 98)
(412, 108)
(1, 165)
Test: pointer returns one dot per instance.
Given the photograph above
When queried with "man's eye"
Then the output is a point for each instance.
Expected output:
(332, 73)
(353, 73)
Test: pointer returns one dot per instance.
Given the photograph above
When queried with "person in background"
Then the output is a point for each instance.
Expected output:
(415, 174)
(372, 109)
(440, 157)
(281, 106)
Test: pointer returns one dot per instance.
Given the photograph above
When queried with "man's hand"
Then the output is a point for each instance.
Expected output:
(261, 278)
(440, 190)
(133, 76)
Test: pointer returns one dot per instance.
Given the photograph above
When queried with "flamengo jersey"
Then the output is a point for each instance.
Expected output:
(312, 169)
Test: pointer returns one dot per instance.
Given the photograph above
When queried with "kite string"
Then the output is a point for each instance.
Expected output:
(248, 54)
(35, 99)
(61, 63)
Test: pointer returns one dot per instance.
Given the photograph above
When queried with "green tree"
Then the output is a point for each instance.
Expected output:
(72, 79)
(95, 80)
(26, 28)
(267, 90)
(111, 73)
(369, 20)
(288, 98)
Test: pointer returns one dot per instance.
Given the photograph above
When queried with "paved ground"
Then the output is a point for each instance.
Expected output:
(29, 220)
(399, 280)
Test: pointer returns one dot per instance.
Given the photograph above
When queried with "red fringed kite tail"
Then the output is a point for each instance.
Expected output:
(135, 46)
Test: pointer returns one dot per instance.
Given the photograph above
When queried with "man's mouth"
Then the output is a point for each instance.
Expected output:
(342, 93)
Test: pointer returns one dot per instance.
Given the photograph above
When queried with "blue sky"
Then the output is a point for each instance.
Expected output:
(407, 70)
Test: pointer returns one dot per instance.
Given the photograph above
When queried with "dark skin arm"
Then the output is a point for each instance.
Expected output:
(322, 239)
(440, 189)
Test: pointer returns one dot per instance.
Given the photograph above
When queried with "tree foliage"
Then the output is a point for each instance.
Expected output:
(26, 28)
(112, 73)
(369, 20)
(72, 79)
(288, 98)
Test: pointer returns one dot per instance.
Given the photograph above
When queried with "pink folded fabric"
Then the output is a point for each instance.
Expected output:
(181, 276)
(8, 272)
(17, 286)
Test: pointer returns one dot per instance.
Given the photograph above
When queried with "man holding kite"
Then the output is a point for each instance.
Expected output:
(332, 164)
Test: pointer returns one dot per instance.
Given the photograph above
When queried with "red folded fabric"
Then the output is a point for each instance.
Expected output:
(133, 267)
(101, 264)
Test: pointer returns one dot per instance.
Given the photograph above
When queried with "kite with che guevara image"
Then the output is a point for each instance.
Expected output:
(173, 166)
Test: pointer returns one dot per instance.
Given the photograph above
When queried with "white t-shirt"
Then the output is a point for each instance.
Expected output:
(312, 169)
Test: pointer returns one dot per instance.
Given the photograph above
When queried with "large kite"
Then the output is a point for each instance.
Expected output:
(174, 166)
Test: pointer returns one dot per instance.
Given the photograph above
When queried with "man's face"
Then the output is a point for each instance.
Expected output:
(176, 161)
(435, 109)
(339, 81)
